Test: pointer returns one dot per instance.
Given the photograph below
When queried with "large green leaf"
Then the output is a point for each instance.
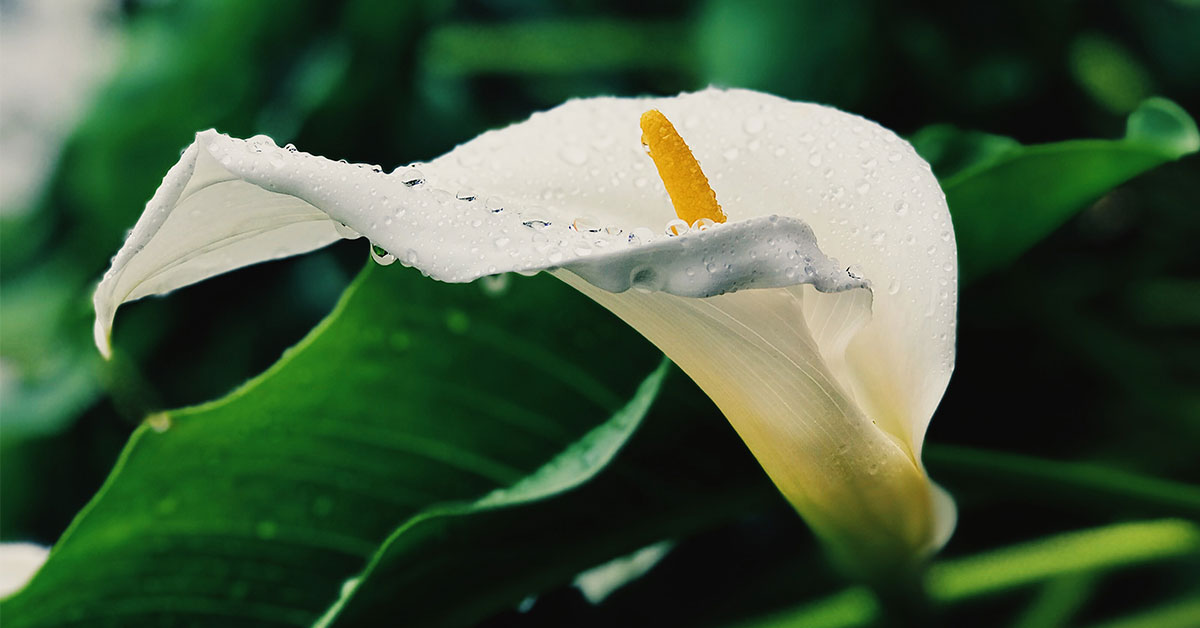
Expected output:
(1005, 197)
(254, 509)
(683, 472)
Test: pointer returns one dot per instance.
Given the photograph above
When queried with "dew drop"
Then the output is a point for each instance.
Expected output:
(814, 159)
(641, 235)
(495, 285)
(731, 154)
(676, 227)
(584, 224)
(538, 225)
(412, 177)
(345, 231)
(159, 422)
(753, 124)
(704, 224)
(901, 208)
(381, 256)
(494, 204)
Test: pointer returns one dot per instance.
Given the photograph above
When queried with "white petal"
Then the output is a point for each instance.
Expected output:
(832, 389)
(202, 222)
(18, 564)
(871, 201)
(771, 369)
(231, 203)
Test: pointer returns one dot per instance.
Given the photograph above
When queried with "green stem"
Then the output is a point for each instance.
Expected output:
(1077, 482)
(1088, 551)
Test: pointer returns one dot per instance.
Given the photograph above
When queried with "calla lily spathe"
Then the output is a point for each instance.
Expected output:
(820, 319)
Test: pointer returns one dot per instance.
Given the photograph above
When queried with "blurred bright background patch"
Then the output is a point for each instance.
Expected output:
(1067, 436)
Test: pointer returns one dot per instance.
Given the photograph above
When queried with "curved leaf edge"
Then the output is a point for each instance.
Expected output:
(1169, 146)
(579, 463)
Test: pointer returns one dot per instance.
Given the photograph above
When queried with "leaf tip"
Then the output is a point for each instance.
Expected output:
(1163, 123)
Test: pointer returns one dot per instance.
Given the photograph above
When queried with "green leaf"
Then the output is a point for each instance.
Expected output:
(1084, 484)
(1005, 197)
(457, 566)
(1070, 554)
(413, 552)
(254, 509)
(556, 47)
(1178, 614)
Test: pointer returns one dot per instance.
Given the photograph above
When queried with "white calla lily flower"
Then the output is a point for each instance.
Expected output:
(815, 304)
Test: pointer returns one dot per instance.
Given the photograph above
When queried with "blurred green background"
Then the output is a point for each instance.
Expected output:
(1082, 351)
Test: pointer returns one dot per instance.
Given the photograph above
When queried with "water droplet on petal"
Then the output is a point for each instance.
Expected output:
(676, 227)
(703, 224)
(381, 257)
(494, 204)
(412, 177)
(641, 235)
(753, 124)
(538, 225)
(901, 208)
(495, 285)
(345, 231)
(584, 224)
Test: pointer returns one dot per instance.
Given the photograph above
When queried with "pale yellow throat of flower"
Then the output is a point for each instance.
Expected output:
(690, 193)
